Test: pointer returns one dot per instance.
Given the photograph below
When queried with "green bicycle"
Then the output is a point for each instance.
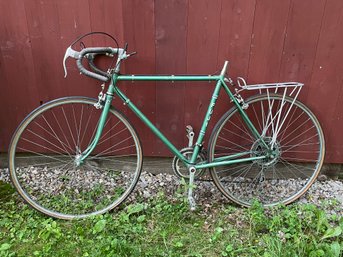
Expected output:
(75, 156)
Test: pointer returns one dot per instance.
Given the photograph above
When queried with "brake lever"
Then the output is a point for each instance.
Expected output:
(130, 54)
(69, 53)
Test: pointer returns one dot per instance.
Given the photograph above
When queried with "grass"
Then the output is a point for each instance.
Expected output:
(167, 228)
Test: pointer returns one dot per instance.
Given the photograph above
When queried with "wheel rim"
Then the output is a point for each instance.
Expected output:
(298, 152)
(44, 153)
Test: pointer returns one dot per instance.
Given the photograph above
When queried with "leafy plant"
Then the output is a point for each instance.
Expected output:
(161, 227)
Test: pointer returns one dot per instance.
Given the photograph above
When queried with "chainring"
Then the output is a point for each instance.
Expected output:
(179, 167)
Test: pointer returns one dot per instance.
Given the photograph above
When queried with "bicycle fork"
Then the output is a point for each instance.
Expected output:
(105, 109)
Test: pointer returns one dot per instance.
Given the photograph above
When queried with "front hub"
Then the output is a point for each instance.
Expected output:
(78, 161)
(78, 157)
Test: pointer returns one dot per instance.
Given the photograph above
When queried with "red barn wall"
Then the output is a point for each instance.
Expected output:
(265, 41)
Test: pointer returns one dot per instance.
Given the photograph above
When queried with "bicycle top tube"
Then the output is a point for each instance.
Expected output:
(168, 78)
(175, 77)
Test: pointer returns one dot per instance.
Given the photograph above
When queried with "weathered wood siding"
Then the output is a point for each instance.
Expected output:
(265, 41)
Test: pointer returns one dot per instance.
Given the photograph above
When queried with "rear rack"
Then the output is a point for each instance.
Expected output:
(280, 86)
(284, 89)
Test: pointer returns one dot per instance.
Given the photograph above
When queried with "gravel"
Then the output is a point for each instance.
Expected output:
(206, 194)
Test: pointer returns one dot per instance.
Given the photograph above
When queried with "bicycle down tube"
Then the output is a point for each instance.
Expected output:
(219, 79)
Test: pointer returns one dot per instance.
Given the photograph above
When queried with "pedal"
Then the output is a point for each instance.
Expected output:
(190, 135)
(191, 200)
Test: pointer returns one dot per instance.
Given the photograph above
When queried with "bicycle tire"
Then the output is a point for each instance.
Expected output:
(278, 180)
(42, 159)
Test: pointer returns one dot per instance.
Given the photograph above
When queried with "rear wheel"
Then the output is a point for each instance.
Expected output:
(44, 152)
(297, 142)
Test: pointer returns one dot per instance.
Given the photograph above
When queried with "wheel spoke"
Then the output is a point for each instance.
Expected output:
(67, 122)
(295, 138)
(54, 135)
(45, 167)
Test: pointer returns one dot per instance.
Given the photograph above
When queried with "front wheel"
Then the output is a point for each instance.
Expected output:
(46, 146)
(293, 135)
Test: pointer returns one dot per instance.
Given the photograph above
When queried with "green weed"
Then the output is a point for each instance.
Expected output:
(161, 227)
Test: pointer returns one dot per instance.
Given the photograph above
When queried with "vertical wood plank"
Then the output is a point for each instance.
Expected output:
(171, 32)
(202, 48)
(74, 21)
(236, 25)
(43, 25)
(303, 28)
(107, 16)
(267, 40)
(5, 118)
(326, 94)
(19, 93)
(139, 32)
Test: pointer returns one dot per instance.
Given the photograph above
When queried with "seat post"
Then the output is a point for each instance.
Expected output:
(222, 73)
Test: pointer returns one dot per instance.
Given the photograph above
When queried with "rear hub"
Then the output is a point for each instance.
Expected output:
(273, 155)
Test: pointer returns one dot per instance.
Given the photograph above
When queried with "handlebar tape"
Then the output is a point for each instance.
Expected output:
(91, 58)
(92, 50)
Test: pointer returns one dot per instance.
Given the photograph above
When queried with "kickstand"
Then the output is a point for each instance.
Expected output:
(191, 200)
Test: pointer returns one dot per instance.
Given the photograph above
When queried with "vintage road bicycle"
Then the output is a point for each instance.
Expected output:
(75, 157)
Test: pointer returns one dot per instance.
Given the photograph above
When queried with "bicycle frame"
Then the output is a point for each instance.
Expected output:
(220, 83)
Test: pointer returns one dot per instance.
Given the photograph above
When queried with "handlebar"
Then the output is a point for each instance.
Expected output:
(90, 54)
(103, 76)
(90, 58)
